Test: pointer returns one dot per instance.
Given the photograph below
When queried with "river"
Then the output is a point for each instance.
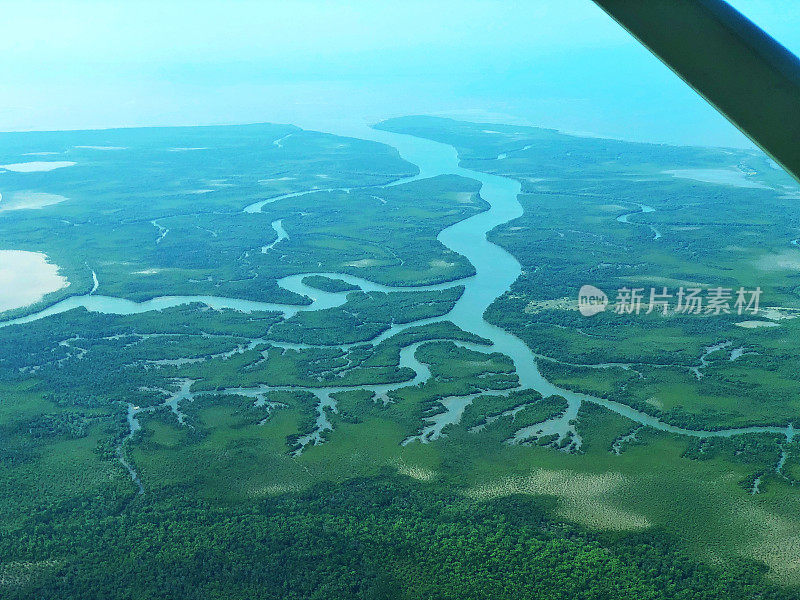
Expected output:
(496, 270)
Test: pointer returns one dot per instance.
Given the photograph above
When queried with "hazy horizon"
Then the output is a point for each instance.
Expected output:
(96, 65)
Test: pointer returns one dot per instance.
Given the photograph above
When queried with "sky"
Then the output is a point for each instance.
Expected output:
(555, 63)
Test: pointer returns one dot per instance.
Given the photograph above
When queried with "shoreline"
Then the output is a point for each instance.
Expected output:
(26, 278)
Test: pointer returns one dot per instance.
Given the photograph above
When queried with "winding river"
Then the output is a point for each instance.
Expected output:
(644, 209)
(495, 269)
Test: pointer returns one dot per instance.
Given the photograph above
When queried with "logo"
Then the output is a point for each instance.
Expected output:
(663, 301)
(591, 300)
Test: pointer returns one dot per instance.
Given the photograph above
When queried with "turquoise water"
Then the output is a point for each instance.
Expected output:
(495, 269)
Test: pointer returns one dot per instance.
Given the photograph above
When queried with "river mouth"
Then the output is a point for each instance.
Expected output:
(495, 271)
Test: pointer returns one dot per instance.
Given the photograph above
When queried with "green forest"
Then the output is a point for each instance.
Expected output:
(393, 394)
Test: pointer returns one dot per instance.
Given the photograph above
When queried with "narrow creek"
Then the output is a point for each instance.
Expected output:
(643, 209)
